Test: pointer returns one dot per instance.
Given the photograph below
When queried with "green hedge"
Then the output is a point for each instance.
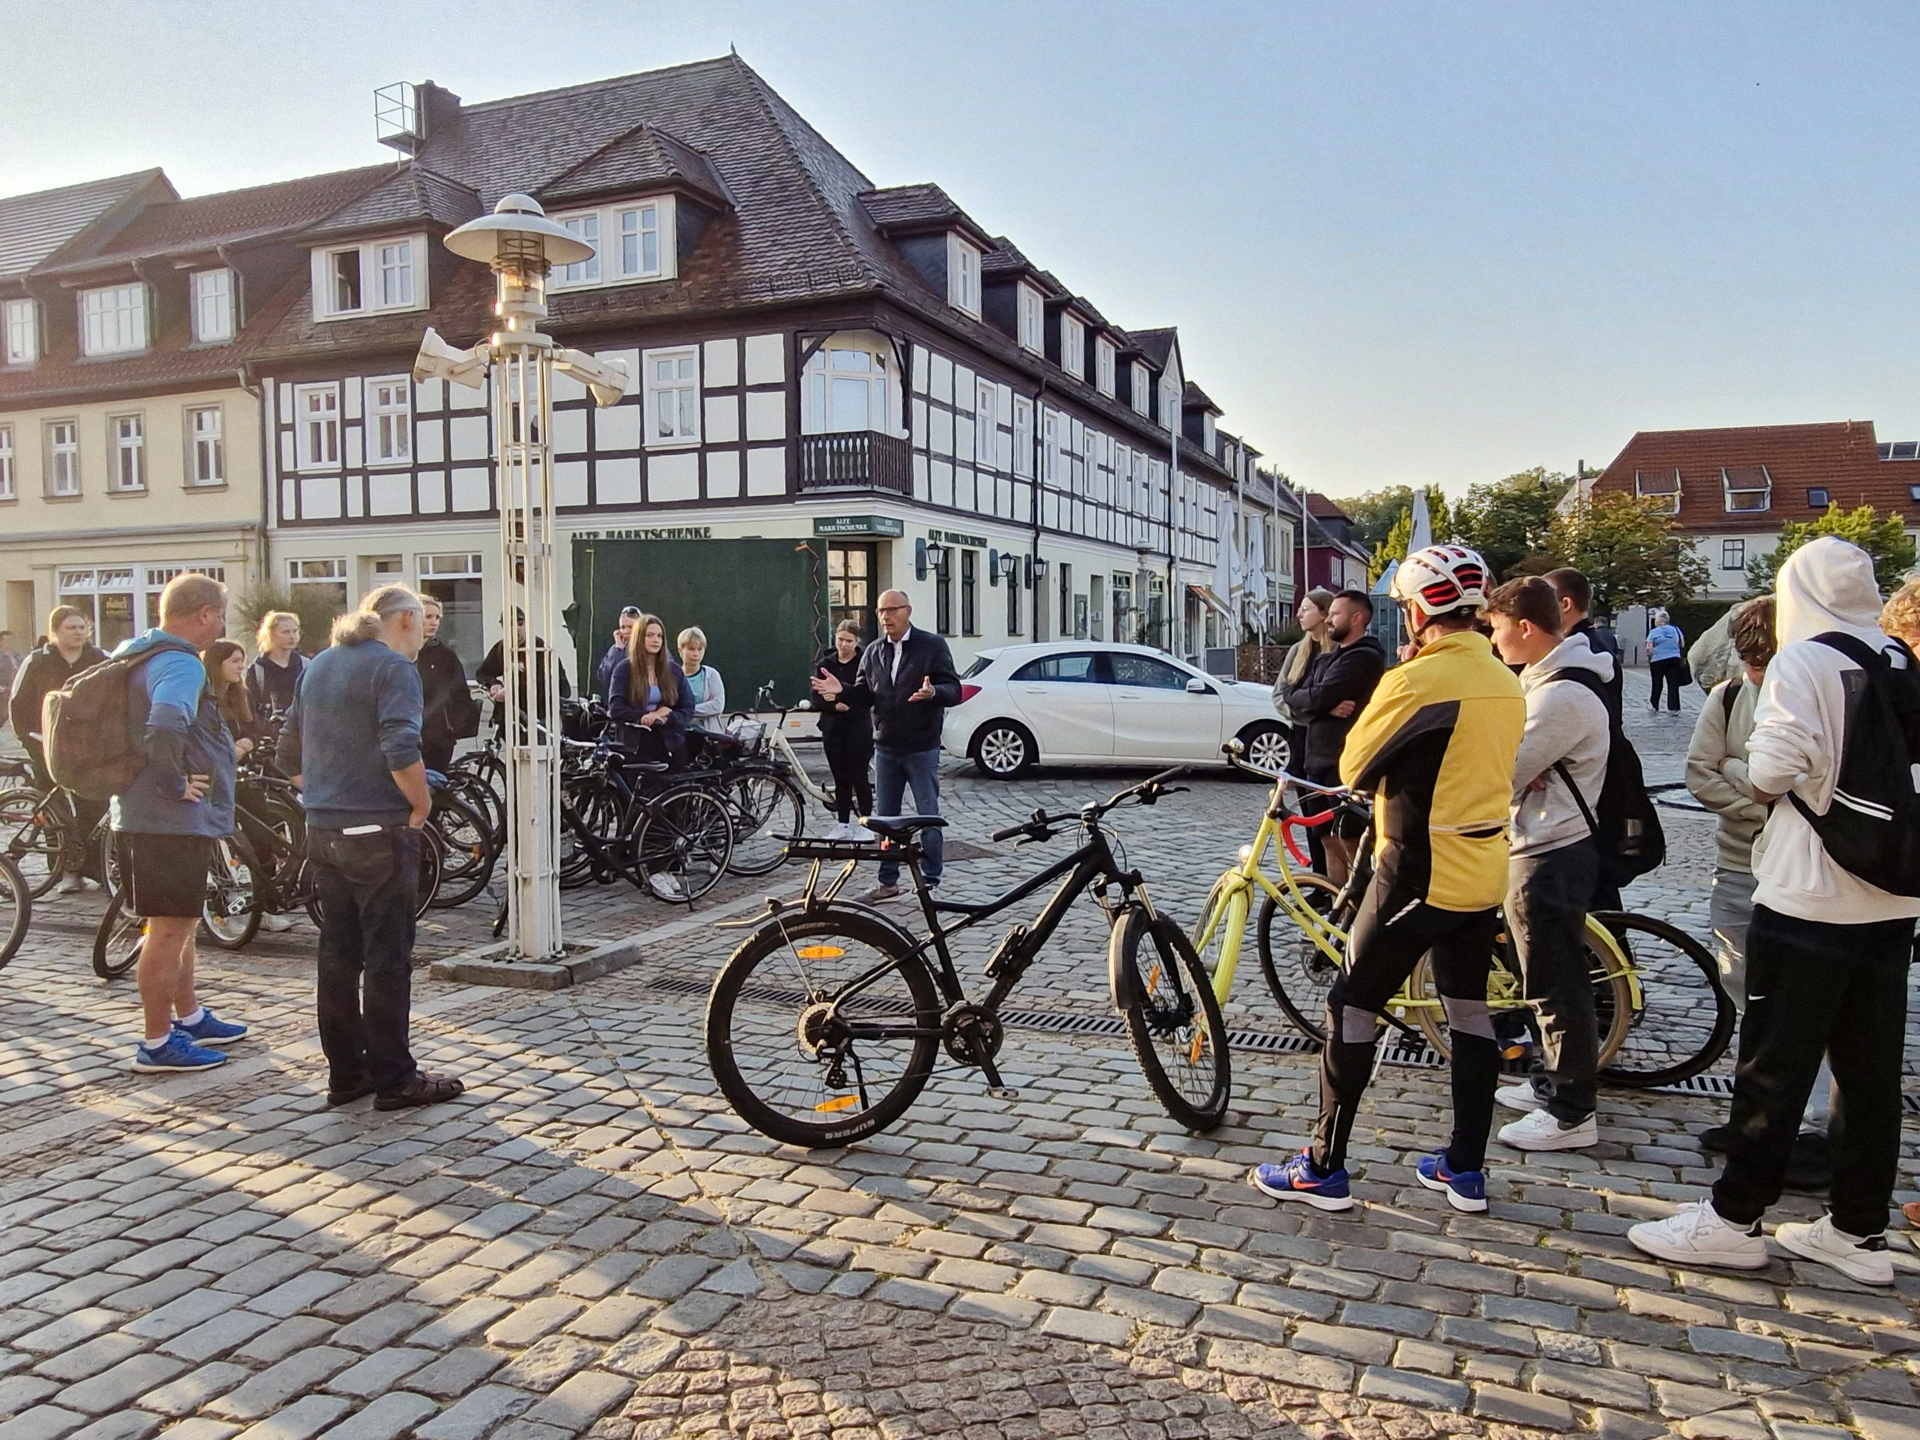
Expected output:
(1696, 617)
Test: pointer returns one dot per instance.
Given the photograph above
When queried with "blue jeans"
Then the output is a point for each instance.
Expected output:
(893, 772)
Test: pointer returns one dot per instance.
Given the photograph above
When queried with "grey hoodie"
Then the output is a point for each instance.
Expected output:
(1566, 722)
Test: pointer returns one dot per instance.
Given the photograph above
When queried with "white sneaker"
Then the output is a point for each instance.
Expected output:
(73, 885)
(1519, 1097)
(1864, 1260)
(860, 833)
(1540, 1130)
(276, 924)
(1696, 1235)
(836, 831)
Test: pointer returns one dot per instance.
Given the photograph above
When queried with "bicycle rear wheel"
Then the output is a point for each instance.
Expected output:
(1172, 1018)
(1612, 1001)
(822, 1031)
(34, 835)
(681, 843)
(118, 938)
(1684, 1019)
(767, 812)
(1298, 971)
(230, 915)
(16, 909)
(470, 851)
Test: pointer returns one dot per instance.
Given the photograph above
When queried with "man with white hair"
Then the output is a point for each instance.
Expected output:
(1827, 952)
(352, 742)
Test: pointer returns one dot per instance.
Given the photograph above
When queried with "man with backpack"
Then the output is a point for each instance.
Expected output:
(1836, 892)
(167, 817)
(1553, 863)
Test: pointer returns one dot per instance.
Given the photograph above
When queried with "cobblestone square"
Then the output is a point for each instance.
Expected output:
(589, 1243)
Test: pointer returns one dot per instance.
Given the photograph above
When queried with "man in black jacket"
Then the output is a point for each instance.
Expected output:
(1334, 690)
(911, 678)
(1576, 599)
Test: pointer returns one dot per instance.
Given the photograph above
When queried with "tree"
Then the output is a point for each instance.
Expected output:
(1629, 552)
(1395, 543)
(1884, 537)
(1510, 520)
(1374, 513)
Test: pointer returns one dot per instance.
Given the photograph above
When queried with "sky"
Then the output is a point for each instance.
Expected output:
(1403, 243)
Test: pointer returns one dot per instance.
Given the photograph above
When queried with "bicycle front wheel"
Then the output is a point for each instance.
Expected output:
(35, 836)
(230, 915)
(471, 851)
(1172, 1018)
(767, 812)
(118, 938)
(682, 843)
(1684, 1018)
(1298, 971)
(16, 909)
(822, 1031)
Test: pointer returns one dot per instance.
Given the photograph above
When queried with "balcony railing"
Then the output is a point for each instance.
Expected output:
(856, 460)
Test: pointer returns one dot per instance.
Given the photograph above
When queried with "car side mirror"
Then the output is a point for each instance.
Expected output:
(1197, 686)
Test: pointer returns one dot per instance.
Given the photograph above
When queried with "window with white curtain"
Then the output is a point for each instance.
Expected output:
(212, 296)
(1103, 354)
(6, 462)
(633, 241)
(986, 425)
(586, 229)
(847, 389)
(673, 396)
(206, 446)
(63, 457)
(1073, 346)
(640, 249)
(316, 411)
(1033, 320)
(1022, 435)
(389, 420)
(128, 437)
(113, 321)
(20, 319)
(396, 274)
(1140, 392)
(963, 275)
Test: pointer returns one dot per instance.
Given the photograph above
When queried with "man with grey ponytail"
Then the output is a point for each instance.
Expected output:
(352, 742)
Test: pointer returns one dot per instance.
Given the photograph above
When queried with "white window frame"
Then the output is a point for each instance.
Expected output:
(206, 434)
(1052, 449)
(316, 448)
(986, 423)
(963, 274)
(21, 323)
(1103, 358)
(1023, 437)
(376, 265)
(127, 453)
(1032, 310)
(63, 458)
(7, 491)
(113, 319)
(685, 429)
(394, 267)
(465, 565)
(389, 420)
(212, 303)
(817, 397)
(1729, 491)
(1073, 345)
(1669, 499)
(1139, 393)
(1737, 548)
(609, 225)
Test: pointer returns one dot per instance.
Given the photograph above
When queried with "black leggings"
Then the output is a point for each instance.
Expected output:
(1667, 673)
(849, 751)
(1394, 928)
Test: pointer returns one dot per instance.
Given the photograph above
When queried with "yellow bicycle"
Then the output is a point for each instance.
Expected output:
(1662, 1014)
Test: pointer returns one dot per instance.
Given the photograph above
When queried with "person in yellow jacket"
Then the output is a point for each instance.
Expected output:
(1435, 747)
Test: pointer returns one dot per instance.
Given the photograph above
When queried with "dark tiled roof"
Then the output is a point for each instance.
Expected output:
(33, 227)
(1843, 458)
(1321, 508)
(411, 194)
(905, 208)
(1156, 345)
(1005, 260)
(1192, 396)
(645, 158)
(202, 222)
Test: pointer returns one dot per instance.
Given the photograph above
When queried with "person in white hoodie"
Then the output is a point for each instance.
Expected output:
(1827, 958)
(1552, 864)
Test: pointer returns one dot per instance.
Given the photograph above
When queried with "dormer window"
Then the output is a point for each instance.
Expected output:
(1103, 357)
(1662, 486)
(113, 321)
(1748, 488)
(20, 331)
(1138, 391)
(1033, 320)
(963, 275)
(211, 292)
(369, 278)
(631, 242)
(1073, 346)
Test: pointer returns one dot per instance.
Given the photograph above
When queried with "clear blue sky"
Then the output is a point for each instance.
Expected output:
(1402, 242)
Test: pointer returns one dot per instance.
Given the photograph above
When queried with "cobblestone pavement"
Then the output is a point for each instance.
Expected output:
(589, 1243)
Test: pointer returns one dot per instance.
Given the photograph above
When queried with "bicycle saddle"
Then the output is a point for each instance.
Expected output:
(899, 826)
(630, 766)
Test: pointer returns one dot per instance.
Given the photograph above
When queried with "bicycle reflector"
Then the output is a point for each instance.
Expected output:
(838, 1103)
(820, 952)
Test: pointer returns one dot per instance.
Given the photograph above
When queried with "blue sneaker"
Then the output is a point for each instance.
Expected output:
(211, 1029)
(179, 1053)
(1466, 1191)
(1293, 1179)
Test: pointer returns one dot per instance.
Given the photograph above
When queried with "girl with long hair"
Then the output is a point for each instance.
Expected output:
(226, 662)
(648, 689)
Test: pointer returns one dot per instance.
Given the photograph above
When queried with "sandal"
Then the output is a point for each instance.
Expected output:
(419, 1089)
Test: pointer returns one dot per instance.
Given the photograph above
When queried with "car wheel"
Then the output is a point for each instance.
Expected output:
(1003, 750)
(1267, 746)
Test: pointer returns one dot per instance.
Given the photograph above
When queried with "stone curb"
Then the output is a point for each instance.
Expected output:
(488, 965)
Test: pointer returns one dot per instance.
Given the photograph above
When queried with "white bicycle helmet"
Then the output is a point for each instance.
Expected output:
(1441, 579)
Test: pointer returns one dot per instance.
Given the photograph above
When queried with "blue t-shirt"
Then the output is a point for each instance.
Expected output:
(1664, 642)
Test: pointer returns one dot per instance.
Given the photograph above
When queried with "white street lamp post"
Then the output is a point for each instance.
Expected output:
(522, 245)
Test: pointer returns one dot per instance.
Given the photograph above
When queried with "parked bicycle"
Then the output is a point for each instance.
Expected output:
(871, 1006)
(38, 833)
(1662, 1014)
(668, 832)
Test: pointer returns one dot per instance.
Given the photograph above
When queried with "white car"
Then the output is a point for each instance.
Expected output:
(1079, 702)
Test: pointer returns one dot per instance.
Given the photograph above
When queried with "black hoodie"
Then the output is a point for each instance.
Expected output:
(1347, 673)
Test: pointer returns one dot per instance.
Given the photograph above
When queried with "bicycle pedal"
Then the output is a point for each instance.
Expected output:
(1003, 1092)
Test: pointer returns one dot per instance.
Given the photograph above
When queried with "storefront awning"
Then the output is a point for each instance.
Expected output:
(1206, 596)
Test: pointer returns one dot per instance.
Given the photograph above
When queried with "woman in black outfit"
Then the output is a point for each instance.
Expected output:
(846, 730)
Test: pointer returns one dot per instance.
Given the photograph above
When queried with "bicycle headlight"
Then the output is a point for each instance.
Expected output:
(1246, 853)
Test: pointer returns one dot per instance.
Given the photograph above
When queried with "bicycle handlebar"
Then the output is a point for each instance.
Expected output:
(1147, 792)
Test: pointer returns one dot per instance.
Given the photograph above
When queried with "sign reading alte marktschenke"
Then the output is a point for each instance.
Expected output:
(858, 525)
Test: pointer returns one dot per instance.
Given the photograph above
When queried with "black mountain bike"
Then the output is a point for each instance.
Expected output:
(824, 1025)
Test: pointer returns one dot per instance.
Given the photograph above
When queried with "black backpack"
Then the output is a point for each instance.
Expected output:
(1872, 827)
(1627, 830)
